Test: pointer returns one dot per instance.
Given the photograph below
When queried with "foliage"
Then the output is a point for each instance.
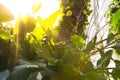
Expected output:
(7, 49)
(115, 27)
(113, 36)
(32, 52)
(115, 21)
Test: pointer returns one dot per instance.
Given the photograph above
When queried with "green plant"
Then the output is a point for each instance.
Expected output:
(40, 56)
(7, 44)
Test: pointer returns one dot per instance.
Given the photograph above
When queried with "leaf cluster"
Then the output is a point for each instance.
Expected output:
(39, 56)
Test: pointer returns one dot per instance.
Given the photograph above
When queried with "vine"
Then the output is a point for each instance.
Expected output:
(75, 18)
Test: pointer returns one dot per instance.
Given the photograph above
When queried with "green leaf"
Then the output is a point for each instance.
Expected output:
(105, 59)
(117, 64)
(70, 55)
(110, 37)
(23, 63)
(95, 76)
(78, 41)
(46, 25)
(116, 21)
(4, 74)
(88, 67)
(5, 34)
(22, 73)
(117, 48)
(46, 54)
(67, 72)
(26, 67)
(116, 71)
(35, 76)
(36, 8)
(91, 45)
(29, 49)
(50, 21)
(5, 14)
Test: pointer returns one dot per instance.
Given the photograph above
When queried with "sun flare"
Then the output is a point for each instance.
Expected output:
(24, 7)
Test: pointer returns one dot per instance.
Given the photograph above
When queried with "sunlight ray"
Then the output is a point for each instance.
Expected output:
(24, 7)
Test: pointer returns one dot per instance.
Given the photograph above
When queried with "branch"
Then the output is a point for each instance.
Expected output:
(107, 38)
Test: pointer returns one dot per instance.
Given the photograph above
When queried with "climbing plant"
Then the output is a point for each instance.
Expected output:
(75, 18)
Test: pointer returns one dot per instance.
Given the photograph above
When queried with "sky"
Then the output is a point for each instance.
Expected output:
(97, 17)
(25, 6)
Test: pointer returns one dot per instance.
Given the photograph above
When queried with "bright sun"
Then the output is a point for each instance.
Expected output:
(24, 7)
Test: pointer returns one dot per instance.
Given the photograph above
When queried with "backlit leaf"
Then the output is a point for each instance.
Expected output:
(5, 35)
(37, 7)
(116, 21)
(78, 41)
(45, 25)
(50, 21)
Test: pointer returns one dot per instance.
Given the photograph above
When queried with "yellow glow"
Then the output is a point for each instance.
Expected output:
(23, 7)
(48, 7)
